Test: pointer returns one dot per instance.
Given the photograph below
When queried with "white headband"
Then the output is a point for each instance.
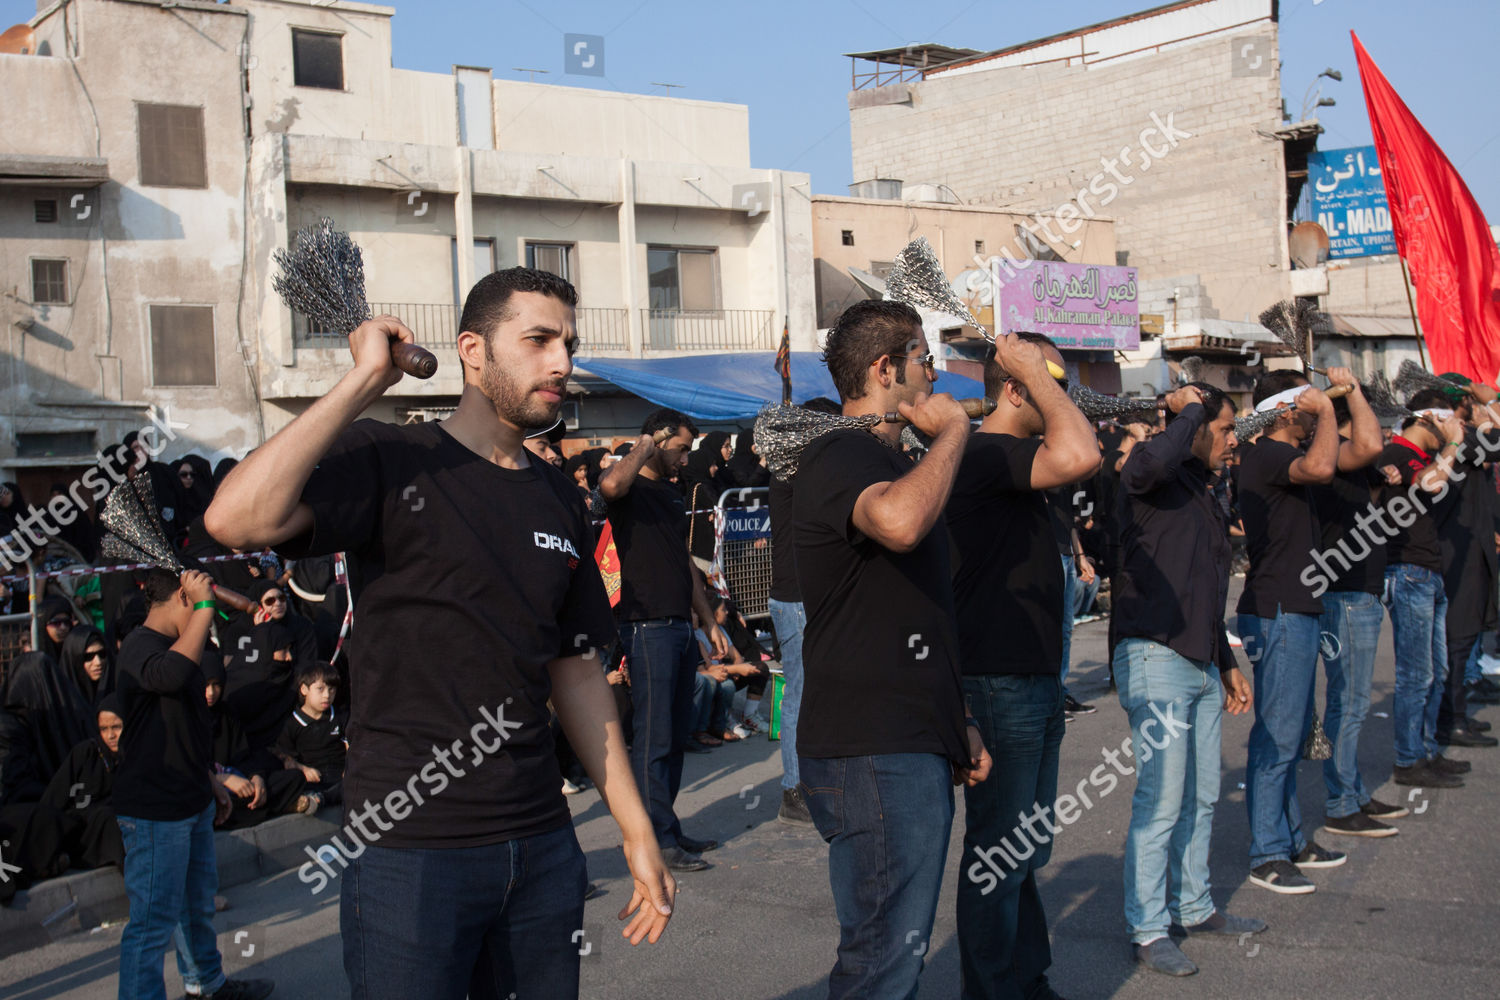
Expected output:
(1285, 396)
(1435, 414)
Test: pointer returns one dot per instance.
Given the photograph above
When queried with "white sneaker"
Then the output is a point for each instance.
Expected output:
(569, 788)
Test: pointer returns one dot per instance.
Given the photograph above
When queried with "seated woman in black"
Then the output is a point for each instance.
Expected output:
(81, 790)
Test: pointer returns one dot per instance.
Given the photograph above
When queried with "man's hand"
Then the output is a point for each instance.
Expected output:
(933, 414)
(979, 761)
(312, 774)
(258, 784)
(1177, 399)
(1343, 376)
(1237, 694)
(1481, 392)
(237, 786)
(1314, 400)
(196, 586)
(719, 640)
(717, 671)
(370, 344)
(647, 442)
(223, 804)
(654, 892)
(1392, 475)
(1452, 427)
(1085, 570)
(1021, 359)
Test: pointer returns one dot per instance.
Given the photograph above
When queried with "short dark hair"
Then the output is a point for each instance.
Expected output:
(861, 334)
(663, 418)
(822, 404)
(1276, 381)
(160, 586)
(1430, 399)
(995, 376)
(487, 305)
(317, 670)
(1214, 401)
(1341, 414)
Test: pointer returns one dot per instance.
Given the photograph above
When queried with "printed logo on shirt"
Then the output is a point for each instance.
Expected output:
(554, 542)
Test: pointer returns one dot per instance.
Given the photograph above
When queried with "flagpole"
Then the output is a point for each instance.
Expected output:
(1406, 283)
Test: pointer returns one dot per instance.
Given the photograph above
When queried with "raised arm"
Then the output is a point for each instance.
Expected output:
(618, 478)
(1364, 443)
(1319, 462)
(1152, 463)
(259, 503)
(900, 513)
(1070, 449)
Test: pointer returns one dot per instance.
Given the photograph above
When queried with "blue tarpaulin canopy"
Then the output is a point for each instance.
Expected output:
(723, 387)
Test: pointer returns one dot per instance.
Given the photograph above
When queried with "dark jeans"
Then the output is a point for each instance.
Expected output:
(1351, 629)
(1002, 927)
(662, 656)
(886, 820)
(711, 701)
(488, 922)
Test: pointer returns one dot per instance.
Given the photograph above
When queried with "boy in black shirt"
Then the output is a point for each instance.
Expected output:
(313, 738)
(476, 604)
(1010, 598)
(166, 800)
(882, 734)
(1279, 618)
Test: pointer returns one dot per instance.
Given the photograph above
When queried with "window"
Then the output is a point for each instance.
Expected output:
(49, 282)
(182, 345)
(171, 141)
(848, 237)
(682, 278)
(44, 210)
(979, 247)
(554, 257)
(484, 257)
(317, 59)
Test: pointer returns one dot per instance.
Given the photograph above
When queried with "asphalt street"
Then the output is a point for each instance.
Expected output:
(1412, 915)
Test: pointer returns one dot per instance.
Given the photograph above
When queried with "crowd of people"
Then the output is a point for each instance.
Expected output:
(921, 607)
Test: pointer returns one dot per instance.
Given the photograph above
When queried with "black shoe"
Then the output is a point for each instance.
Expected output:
(1163, 955)
(1069, 717)
(1376, 809)
(1073, 706)
(1466, 737)
(681, 861)
(1420, 775)
(794, 808)
(1447, 765)
(1282, 877)
(693, 746)
(1477, 725)
(1359, 825)
(1313, 856)
(242, 989)
(696, 846)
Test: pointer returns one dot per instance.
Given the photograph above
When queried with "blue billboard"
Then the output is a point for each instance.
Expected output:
(1348, 201)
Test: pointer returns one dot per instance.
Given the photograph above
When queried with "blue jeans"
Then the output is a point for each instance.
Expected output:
(1284, 650)
(171, 876)
(1175, 706)
(789, 619)
(1351, 629)
(886, 819)
(1070, 597)
(663, 659)
(490, 922)
(1419, 609)
(1002, 935)
(711, 701)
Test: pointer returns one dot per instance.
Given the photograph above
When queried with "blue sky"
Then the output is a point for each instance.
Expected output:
(784, 59)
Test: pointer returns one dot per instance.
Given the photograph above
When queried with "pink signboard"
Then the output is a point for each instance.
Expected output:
(1080, 306)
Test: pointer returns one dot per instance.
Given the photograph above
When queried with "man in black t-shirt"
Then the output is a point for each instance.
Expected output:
(165, 798)
(477, 602)
(882, 730)
(1350, 564)
(1010, 599)
(1279, 617)
(660, 590)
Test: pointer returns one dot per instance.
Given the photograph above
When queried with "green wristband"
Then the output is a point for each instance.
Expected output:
(203, 604)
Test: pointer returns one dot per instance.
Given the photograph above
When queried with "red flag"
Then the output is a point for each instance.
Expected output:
(784, 362)
(1441, 233)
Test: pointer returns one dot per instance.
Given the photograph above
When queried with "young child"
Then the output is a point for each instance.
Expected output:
(313, 739)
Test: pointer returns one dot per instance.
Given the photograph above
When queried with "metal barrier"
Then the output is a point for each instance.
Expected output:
(742, 548)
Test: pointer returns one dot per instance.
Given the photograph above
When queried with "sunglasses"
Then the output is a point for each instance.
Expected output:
(925, 360)
(93, 656)
(266, 602)
(184, 475)
(60, 621)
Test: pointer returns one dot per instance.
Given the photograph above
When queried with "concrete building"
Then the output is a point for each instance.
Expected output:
(155, 155)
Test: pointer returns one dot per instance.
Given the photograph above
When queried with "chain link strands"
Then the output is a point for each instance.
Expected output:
(1192, 369)
(1097, 406)
(1294, 322)
(1251, 424)
(782, 432)
(1412, 378)
(917, 279)
(1382, 398)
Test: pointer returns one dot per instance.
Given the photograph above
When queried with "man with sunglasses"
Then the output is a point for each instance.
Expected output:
(1010, 595)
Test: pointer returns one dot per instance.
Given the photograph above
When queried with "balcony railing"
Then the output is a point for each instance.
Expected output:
(601, 329)
(709, 329)
(434, 324)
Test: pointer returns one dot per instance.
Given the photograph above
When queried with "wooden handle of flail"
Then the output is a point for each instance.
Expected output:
(413, 360)
(1335, 391)
(975, 407)
(233, 599)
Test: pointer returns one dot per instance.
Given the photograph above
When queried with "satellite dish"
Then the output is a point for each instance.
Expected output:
(1308, 245)
(18, 40)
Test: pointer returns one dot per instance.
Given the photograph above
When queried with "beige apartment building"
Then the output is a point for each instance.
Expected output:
(153, 156)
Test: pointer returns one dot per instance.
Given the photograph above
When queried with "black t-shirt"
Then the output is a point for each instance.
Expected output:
(469, 579)
(1416, 543)
(1281, 532)
(1060, 519)
(650, 528)
(783, 558)
(880, 652)
(166, 752)
(1342, 506)
(1007, 579)
(315, 743)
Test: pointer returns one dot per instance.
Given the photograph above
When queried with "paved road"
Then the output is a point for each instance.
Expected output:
(1413, 915)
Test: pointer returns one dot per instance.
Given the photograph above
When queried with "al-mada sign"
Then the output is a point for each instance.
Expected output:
(1080, 306)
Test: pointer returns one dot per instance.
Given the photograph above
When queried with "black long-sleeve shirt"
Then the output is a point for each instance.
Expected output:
(1174, 541)
(166, 752)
